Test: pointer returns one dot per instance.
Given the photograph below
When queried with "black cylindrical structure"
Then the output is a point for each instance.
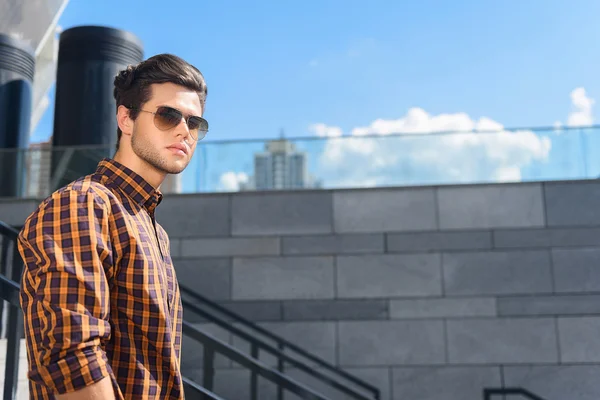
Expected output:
(17, 67)
(89, 58)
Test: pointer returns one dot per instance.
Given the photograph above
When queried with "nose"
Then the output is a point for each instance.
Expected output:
(185, 130)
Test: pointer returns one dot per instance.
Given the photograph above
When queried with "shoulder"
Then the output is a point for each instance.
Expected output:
(74, 200)
(85, 190)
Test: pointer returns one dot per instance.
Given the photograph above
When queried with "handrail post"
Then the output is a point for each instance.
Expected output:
(3, 271)
(209, 368)
(17, 263)
(280, 368)
(11, 374)
(253, 374)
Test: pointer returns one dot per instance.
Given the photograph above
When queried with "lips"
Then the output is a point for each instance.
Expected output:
(179, 146)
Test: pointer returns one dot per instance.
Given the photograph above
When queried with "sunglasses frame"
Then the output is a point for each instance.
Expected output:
(200, 134)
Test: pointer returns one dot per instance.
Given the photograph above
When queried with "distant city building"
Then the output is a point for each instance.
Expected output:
(280, 166)
(37, 169)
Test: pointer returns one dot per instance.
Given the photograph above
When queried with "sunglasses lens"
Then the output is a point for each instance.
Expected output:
(167, 118)
(198, 124)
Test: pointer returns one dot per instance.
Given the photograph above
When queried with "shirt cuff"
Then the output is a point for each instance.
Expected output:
(77, 370)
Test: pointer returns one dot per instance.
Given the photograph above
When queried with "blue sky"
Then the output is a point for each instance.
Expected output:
(344, 64)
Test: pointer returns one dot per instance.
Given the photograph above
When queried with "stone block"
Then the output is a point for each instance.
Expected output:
(476, 207)
(272, 278)
(281, 213)
(230, 247)
(444, 383)
(576, 270)
(318, 338)
(306, 310)
(572, 203)
(497, 273)
(333, 244)
(549, 305)
(389, 275)
(551, 237)
(194, 215)
(384, 210)
(499, 341)
(556, 381)
(579, 339)
(438, 241)
(211, 277)
(443, 308)
(376, 343)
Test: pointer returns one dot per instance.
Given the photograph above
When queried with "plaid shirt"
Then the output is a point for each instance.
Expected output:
(99, 292)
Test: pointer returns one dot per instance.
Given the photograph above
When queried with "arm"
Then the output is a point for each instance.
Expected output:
(65, 292)
(102, 390)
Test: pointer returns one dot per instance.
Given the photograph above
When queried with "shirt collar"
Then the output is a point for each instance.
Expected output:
(134, 186)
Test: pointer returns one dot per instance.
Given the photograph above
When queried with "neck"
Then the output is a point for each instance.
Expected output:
(142, 168)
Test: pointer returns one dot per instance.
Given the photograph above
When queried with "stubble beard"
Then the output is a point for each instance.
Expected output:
(144, 150)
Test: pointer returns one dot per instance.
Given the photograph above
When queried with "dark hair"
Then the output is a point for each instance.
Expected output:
(133, 84)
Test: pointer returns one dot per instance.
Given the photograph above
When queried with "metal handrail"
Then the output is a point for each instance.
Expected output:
(282, 343)
(213, 345)
(9, 231)
(489, 392)
(189, 384)
(9, 291)
(261, 345)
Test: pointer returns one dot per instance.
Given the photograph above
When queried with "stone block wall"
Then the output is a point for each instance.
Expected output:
(429, 293)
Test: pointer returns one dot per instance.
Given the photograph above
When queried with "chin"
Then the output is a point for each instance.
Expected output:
(176, 168)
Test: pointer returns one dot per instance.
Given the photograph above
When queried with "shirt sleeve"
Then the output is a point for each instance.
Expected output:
(65, 290)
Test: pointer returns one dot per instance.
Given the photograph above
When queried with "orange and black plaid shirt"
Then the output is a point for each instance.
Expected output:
(99, 292)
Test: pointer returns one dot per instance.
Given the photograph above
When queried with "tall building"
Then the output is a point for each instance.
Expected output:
(36, 21)
(281, 166)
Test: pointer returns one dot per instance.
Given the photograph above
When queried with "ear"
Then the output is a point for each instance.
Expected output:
(123, 121)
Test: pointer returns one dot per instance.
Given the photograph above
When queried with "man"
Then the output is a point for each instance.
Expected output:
(99, 293)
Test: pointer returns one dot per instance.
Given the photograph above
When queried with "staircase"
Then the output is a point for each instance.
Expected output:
(260, 341)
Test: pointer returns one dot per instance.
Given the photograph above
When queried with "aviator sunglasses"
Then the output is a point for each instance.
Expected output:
(166, 118)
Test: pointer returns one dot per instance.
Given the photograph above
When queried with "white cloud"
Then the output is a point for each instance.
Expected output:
(582, 105)
(483, 151)
(419, 121)
(323, 130)
(232, 181)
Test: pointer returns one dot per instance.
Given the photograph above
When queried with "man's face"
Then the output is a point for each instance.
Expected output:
(159, 148)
